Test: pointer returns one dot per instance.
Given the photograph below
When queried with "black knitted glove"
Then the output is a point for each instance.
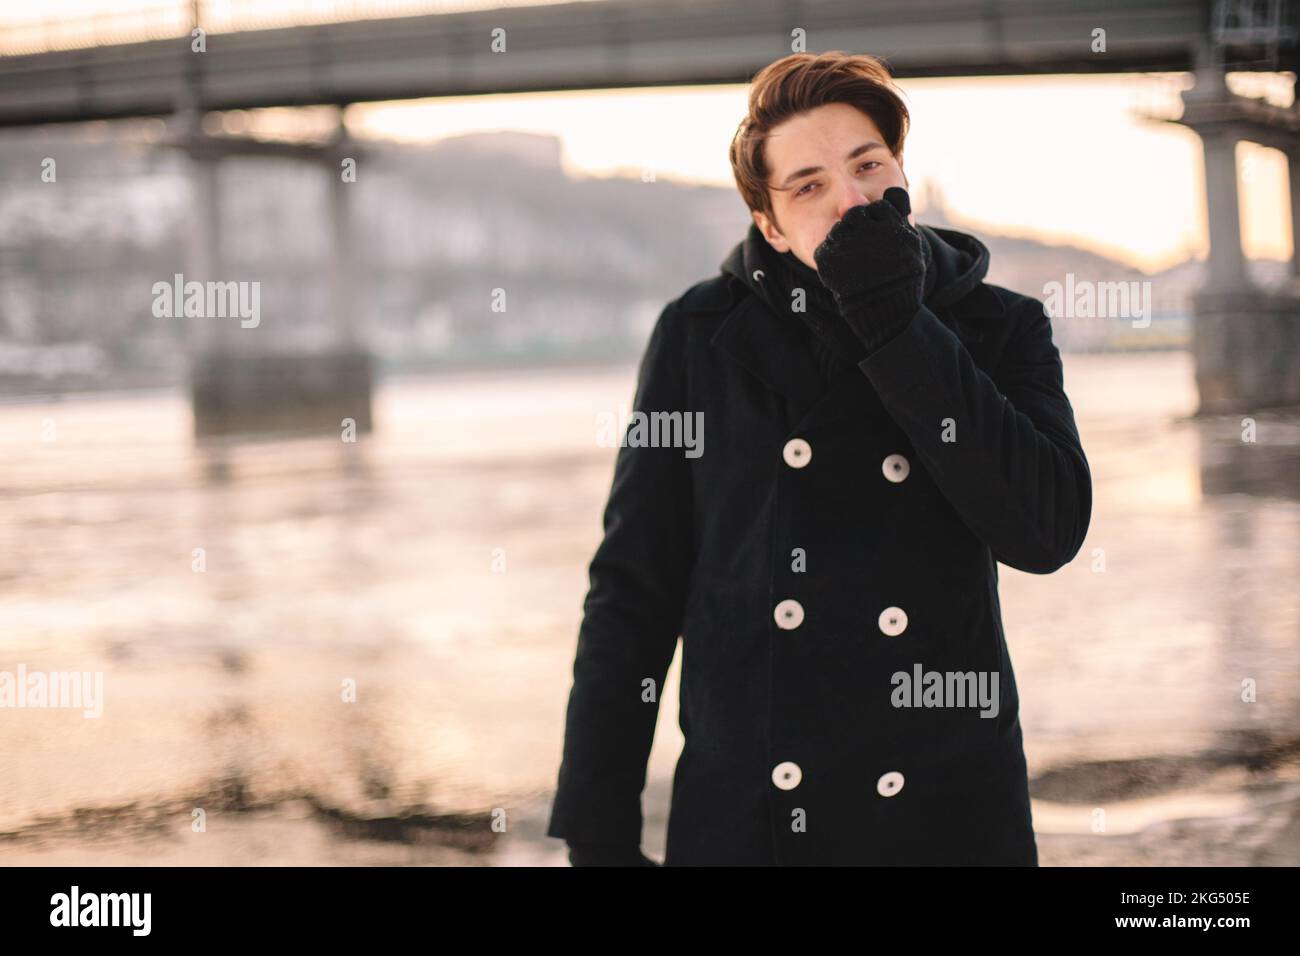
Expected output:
(874, 266)
(601, 854)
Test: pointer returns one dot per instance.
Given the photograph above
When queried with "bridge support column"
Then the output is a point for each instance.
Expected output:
(1245, 339)
(1293, 183)
(343, 299)
(241, 383)
(203, 255)
(1227, 264)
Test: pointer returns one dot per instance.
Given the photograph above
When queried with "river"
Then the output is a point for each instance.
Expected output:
(318, 652)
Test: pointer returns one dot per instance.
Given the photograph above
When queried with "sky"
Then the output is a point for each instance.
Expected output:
(1061, 158)
(1057, 158)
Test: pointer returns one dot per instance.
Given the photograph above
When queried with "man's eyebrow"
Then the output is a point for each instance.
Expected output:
(809, 170)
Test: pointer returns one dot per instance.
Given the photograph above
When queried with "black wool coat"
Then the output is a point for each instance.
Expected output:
(829, 537)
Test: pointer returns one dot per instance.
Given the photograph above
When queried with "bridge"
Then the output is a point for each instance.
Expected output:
(599, 44)
(182, 63)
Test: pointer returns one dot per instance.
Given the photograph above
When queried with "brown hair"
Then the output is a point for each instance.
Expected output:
(803, 81)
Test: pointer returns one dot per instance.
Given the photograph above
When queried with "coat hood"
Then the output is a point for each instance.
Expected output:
(959, 262)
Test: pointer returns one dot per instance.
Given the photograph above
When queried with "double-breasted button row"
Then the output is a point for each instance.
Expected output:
(798, 453)
(787, 775)
(789, 615)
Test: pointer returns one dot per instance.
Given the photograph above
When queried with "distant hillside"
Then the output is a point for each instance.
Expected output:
(586, 264)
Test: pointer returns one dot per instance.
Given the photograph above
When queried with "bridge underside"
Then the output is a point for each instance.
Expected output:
(610, 45)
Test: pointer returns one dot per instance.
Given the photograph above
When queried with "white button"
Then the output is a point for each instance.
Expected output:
(893, 621)
(797, 453)
(895, 467)
(787, 775)
(789, 614)
(889, 783)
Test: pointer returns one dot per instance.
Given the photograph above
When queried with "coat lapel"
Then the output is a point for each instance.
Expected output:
(772, 351)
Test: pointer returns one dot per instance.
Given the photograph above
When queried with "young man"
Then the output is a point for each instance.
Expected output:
(883, 427)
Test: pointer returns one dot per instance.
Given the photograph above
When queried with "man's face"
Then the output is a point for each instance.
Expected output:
(819, 170)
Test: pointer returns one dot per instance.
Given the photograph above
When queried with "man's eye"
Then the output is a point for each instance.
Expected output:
(870, 162)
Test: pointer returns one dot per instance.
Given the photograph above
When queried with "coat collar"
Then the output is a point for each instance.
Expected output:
(763, 338)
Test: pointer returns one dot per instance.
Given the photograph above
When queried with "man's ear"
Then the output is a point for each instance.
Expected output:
(770, 232)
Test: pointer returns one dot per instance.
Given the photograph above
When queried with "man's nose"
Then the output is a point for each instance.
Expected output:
(852, 195)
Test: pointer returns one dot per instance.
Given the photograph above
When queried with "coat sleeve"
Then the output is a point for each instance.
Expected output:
(632, 617)
(1016, 472)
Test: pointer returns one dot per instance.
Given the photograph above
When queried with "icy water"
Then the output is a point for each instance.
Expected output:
(438, 567)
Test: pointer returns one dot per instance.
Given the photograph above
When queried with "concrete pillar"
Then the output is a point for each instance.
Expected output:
(343, 299)
(203, 260)
(1293, 181)
(342, 265)
(1227, 265)
(1293, 184)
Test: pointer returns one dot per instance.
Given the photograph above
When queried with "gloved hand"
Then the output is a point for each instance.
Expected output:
(600, 854)
(873, 264)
